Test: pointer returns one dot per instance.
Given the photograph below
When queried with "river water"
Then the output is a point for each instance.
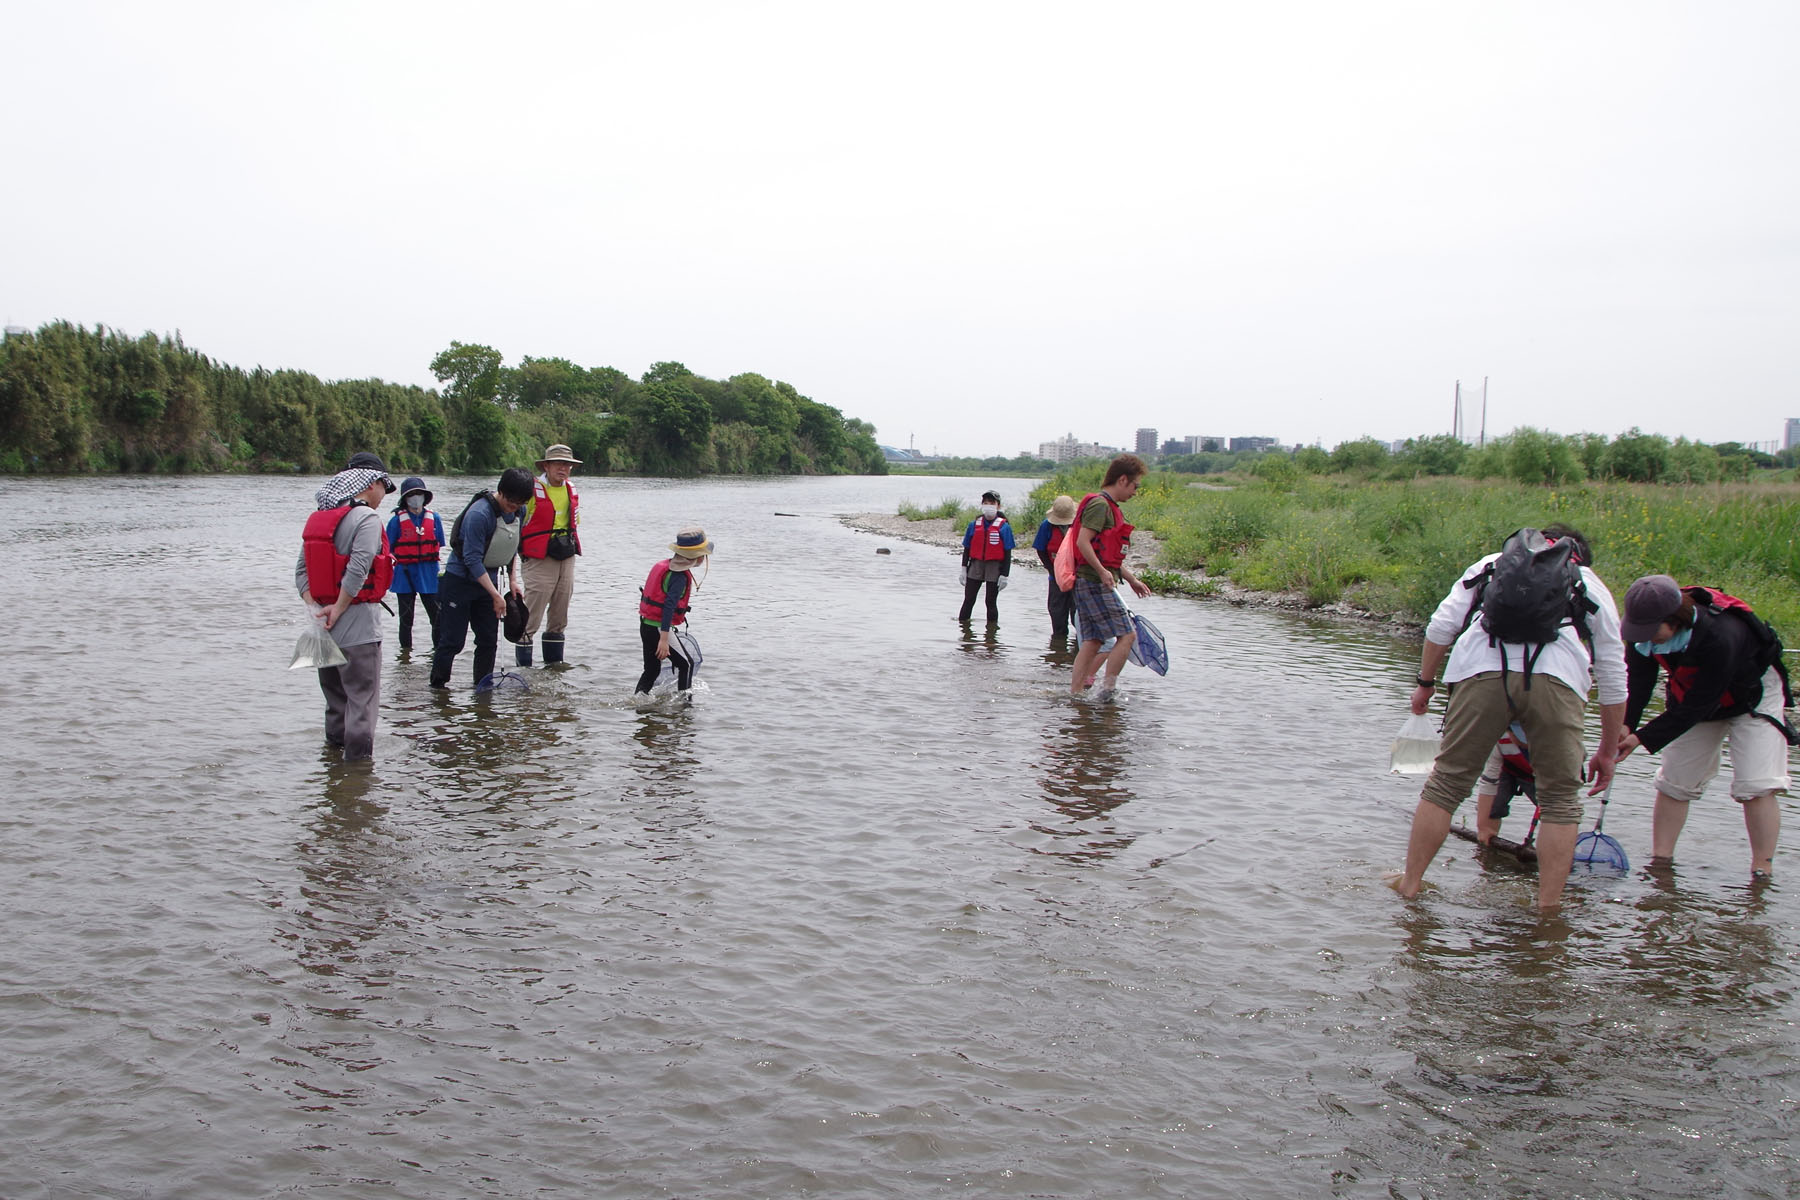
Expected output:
(883, 914)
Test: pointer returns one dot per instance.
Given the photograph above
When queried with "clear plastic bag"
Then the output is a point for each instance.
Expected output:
(1416, 747)
(316, 649)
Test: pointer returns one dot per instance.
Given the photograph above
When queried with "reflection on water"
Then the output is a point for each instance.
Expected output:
(884, 913)
(1084, 761)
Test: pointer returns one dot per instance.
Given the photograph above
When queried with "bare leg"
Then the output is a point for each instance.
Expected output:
(1115, 661)
(1556, 853)
(1666, 821)
(1430, 826)
(1084, 663)
(1762, 818)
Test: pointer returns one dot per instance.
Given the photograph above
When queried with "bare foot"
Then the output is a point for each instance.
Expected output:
(1397, 881)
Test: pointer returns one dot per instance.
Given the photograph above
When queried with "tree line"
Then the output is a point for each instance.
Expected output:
(74, 399)
(1526, 455)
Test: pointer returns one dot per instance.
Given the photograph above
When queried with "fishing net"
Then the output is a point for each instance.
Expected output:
(1596, 851)
(1149, 649)
(503, 681)
(689, 646)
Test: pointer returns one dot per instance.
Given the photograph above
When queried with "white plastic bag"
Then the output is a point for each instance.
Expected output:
(316, 648)
(1415, 749)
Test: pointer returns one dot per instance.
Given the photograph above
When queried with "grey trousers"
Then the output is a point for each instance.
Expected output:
(353, 700)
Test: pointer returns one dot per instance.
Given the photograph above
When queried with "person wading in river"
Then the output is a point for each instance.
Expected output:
(1051, 532)
(343, 572)
(1726, 682)
(484, 539)
(1102, 541)
(986, 557)
(549, 543)
(1541, 680)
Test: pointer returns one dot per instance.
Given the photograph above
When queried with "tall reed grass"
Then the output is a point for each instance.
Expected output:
(1394, 548)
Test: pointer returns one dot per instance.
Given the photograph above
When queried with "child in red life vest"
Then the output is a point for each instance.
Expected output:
(986, 556)
(667, 595)
(415, 534)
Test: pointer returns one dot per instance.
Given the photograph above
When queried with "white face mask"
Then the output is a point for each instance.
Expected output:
(415, 503)
(990, 511)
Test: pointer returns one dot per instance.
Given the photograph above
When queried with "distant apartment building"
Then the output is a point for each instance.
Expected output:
(1192, 444)
(1792, 436)
(1146, 441)
(1067, 449)
(1239, 444)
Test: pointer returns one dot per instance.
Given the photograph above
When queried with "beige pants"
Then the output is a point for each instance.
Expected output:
(548, 586)
(1759, 753)
(1551, 714)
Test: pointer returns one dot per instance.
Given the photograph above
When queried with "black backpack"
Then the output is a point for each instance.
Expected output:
(456, 541)
(1529, 593)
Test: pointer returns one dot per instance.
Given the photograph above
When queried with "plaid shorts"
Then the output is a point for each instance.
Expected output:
(1098, 611)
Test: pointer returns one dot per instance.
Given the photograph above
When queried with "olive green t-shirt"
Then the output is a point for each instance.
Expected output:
(1098, 517)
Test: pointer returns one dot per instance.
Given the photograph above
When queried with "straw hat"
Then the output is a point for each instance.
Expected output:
(689, 545)
(558, 453)
(1062, 510)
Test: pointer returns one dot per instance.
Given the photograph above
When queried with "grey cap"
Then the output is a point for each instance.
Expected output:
(1648, 603)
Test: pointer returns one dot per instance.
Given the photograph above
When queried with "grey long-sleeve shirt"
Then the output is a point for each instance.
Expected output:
(359, 536)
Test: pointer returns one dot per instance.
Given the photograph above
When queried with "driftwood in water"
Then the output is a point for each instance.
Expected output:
(1520, 851)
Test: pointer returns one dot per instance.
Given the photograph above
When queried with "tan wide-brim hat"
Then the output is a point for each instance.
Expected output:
(689, 545)
(558, 453)
(1062, 510)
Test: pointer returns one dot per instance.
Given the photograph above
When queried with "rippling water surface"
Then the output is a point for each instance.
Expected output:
(883, 914)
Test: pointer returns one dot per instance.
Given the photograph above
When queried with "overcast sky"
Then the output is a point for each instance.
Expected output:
(979, 226)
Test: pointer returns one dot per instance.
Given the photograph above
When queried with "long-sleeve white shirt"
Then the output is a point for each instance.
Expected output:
(1565, 658)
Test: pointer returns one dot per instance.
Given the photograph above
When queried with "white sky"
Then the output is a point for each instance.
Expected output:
(978, 225)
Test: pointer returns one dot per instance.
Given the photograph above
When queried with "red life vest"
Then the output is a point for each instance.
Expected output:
(418, 543)
(534, 538)
(1057, 534)
(1681, 678)
(984, 539)
(1514, 753)
(1110, 545)
(655, 591)
(325, 566)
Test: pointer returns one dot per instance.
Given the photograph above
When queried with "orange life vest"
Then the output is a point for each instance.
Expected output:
(325, 566)
(1110, 545)
(656, 590)
(985, 539)
(534, 539)
(418, 543)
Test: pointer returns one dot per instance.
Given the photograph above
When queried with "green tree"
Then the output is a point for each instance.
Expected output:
(1535, 456)
(1365, 455)
(671, 428)
(484, 434)
(1439, 454)
(471, 375)
(1312, 459)
(1637, 456)
(666, 372)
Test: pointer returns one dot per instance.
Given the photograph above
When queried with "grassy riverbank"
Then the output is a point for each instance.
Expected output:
(1394, 548)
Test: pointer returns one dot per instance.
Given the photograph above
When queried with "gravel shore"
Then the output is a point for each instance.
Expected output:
(1144, 550)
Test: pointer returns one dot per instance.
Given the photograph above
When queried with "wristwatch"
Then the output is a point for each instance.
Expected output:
(1424, 682)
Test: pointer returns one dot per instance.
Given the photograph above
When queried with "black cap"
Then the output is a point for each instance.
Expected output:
(372, 462)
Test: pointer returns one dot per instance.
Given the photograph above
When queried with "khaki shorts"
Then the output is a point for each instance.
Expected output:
(1759, 753)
